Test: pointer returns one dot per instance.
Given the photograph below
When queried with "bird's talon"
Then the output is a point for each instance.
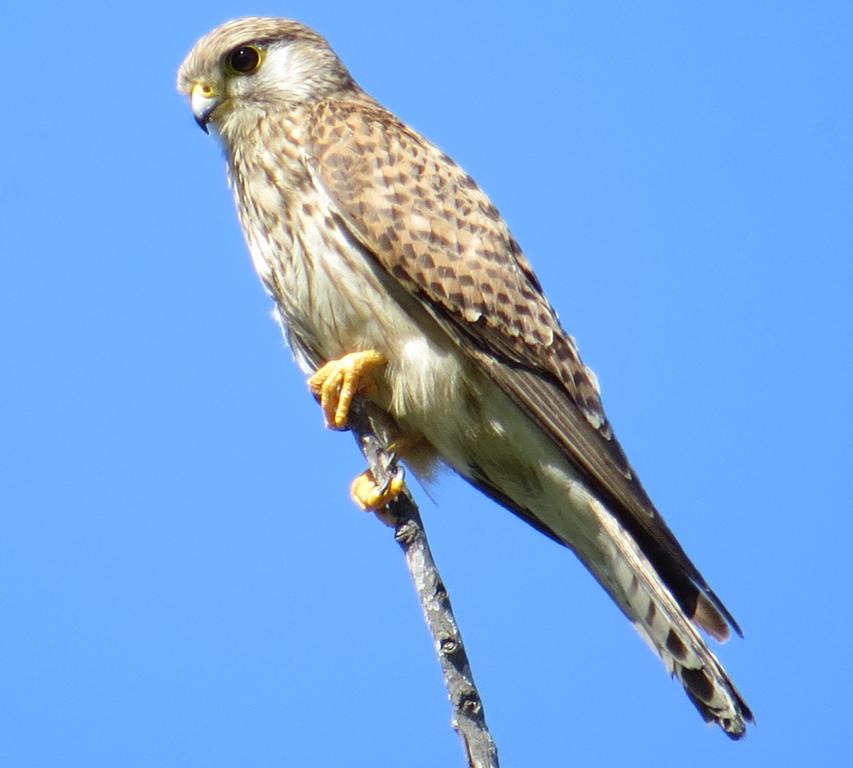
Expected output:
(394, 481)
(372, 497)
(338, 381)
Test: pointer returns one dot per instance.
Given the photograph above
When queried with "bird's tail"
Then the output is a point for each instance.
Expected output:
(639, 591)
(613, 556)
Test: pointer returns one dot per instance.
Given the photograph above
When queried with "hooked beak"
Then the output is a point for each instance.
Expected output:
(203, 101)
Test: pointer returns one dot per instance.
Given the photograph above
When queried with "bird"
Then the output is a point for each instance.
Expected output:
(396, 279)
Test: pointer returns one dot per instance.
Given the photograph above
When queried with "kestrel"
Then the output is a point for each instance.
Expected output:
(395, 277)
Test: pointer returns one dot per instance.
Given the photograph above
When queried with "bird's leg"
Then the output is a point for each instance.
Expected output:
(338, 381)
(335, 385)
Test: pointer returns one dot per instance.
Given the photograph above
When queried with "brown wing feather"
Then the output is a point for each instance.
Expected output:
(431, 227)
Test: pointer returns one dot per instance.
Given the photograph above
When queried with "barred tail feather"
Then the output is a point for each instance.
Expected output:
(642, 595)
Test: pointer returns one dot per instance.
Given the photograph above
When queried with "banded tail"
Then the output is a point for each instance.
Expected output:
(634, 584)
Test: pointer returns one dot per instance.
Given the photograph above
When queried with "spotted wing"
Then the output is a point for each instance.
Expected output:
(431, 227)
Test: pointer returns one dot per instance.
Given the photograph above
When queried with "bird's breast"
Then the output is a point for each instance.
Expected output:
(334, 298)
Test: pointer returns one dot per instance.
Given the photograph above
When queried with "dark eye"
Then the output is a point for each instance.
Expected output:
(244, 59)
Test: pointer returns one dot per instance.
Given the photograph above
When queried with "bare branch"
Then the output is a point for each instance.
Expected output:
(372, 431)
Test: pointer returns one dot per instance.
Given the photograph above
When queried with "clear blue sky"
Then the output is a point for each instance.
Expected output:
(183, 581)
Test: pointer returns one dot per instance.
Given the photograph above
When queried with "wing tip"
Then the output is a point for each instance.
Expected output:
(712, 616)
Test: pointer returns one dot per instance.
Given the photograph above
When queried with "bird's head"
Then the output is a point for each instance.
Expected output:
(257, 65)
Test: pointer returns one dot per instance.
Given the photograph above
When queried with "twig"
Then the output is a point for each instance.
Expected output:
(372, 431)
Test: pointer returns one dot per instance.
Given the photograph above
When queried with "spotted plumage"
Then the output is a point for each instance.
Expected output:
(369, 238)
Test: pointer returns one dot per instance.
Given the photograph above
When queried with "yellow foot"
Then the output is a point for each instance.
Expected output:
(337, 382)
(372, 497)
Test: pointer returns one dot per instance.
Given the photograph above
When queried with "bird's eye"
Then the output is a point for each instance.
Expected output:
(245, 59)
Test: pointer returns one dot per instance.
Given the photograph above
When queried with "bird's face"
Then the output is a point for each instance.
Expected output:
(255, 66)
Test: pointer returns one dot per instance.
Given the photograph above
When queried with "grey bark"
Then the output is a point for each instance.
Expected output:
(372, 432)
